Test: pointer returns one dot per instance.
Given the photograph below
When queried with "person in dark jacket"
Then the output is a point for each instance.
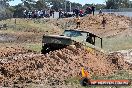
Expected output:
(104, 22)
(100, 11)
(78, 22)
(60, 13)
(77, 12)
(93, 9)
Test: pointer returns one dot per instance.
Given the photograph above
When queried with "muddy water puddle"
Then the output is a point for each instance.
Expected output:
(7, 38)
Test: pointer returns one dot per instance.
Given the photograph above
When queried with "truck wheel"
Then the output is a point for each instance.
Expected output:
(45, 50)
(85, 82)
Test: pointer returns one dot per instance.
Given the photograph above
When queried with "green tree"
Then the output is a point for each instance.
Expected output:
(57, 4)
(5, 11)
(116, 4)
(40, 4)
(18, 10)
(76, 5)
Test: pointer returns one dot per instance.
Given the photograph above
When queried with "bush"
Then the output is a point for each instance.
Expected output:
(5, 14)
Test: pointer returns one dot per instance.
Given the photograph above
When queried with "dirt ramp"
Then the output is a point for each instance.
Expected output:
(114, 24)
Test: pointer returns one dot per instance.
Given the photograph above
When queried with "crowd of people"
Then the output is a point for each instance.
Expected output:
(81, 13)
(77, 12)
(62, 14)
(38, 13)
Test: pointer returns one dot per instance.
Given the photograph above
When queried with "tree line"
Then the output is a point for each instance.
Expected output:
(117, 4)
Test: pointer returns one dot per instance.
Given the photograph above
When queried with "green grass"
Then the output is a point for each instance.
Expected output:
(75, 83)
(28, 25)
(116, 43)
(119, 75)
(30, 29)
(34, 47)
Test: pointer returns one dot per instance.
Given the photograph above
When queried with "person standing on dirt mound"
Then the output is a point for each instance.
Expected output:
(100, 11)
(104, 22)
(78, 22)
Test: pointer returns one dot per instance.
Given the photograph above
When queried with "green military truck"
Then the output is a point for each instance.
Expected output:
(68, 37)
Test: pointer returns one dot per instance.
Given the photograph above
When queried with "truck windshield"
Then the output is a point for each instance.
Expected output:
(70, 33)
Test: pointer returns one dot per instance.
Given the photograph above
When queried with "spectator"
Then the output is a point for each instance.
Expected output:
(30, 14)
(81, 13)
(44, 12)
(100, 11)
(104, 22)
(60, 13)
(93, 9)
(48, 13)
(77, 22)
(73, 11)
(53, 13)
(35, 14)
(25, 13)
(41, 14)
(76, 12)
(38, 14)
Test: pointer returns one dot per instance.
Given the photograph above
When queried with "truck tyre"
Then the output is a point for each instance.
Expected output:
(85, 82)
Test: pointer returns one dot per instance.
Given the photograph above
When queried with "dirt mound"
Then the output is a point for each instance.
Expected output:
(118, 60)
(11, 51)
(62, 23)
(60, 65)
(114, 24)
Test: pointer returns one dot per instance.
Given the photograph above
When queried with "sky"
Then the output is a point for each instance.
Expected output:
(15, 2)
